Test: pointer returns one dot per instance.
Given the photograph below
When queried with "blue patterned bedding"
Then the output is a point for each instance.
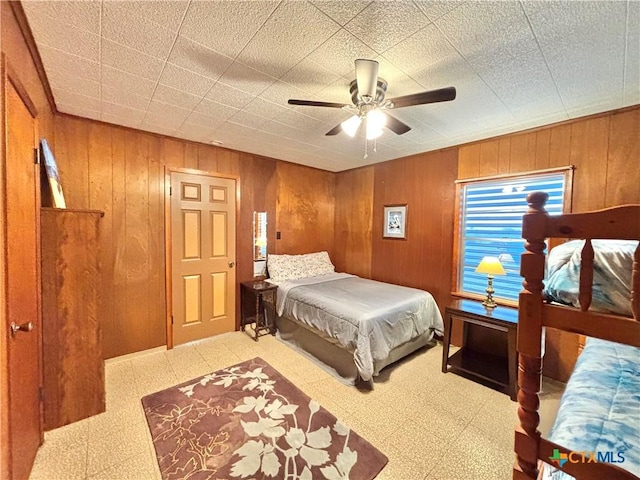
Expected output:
(600, 408)
(613, 264)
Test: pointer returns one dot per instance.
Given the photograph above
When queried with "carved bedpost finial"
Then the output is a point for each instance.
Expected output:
(537, 201)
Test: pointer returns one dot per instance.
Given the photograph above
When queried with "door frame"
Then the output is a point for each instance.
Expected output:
(168, 240)
(8, 75)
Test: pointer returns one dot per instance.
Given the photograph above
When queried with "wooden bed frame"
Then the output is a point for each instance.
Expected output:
(621, 222)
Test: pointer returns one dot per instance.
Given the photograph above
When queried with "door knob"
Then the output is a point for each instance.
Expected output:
(25, 327)
(231, 264)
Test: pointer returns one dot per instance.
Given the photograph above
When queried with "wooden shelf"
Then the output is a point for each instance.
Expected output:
(483, 365)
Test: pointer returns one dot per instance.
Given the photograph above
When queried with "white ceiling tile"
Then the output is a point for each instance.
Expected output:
(119, 96)
(172, 112)
(512, 65)
(248, 120)
(120, 120)
(632, 60)
(264, 108)
(226, 27)
(168, 14)
(300, 120)
(280, 92)
(215, 109)
(127, 82)
(436, 9)
(79, 111)
(185, 80)
(56, 33)
(122, 23)
(131, 114)
(196, 132)
(340, 10)
(572, 35)
(204, 121)
(130, 60)
(75, 84)
(198, 58)
(230, 96)
(75, 99)
(429, 45)
(58, 61)
(576, 58)
(309, 76)
(383, 24)
(246, 79)
(285, 38)
(176, 97)
(339, 53)
(84, 15)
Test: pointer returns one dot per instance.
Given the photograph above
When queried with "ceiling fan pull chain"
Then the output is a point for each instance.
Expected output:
(365, 148)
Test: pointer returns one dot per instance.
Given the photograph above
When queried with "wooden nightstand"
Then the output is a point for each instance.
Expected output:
(488, 343)
(256, 298)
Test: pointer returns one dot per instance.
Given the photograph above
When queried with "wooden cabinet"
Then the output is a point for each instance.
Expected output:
(71, 283)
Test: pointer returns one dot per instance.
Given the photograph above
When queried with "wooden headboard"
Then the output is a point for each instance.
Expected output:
(621, 222)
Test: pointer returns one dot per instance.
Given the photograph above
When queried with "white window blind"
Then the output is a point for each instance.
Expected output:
(491, 225)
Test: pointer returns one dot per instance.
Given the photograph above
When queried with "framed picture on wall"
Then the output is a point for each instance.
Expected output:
(395, 221)
(51, 168)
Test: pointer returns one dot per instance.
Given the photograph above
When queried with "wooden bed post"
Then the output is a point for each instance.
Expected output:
(530, 338)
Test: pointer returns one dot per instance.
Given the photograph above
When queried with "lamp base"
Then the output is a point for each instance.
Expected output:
(489, 302)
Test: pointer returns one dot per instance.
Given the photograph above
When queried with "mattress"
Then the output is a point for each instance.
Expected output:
(600, 408)
(366, 317)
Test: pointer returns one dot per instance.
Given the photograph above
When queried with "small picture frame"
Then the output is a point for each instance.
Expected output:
(52, 174)
(395, 221)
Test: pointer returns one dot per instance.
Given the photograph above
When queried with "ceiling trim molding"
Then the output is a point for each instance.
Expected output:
(23, 24)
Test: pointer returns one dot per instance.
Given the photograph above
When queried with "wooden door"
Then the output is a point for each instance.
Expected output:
(203, 255)
(22, 283)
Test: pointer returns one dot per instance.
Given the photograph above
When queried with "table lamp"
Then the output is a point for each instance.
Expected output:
(491, 266)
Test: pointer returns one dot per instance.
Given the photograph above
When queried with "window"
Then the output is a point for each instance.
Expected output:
(491, 225)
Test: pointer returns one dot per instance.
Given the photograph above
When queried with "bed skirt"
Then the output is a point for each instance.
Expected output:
(334, 358)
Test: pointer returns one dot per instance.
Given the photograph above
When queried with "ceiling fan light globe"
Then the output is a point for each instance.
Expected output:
(376, 119)
(373, 133)
(351, 125)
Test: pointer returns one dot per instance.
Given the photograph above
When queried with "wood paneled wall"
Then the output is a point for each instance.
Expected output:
(354, 221)
(426, 184)
(605, 149)
(305, 210)
(121, 171)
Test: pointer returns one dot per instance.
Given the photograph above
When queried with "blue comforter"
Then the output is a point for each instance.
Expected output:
(600, 408)
(613, 264)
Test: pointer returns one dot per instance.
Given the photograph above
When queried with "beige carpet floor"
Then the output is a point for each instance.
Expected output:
(432, 426)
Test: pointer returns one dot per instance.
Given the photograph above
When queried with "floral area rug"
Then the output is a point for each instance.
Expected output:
(248, 421)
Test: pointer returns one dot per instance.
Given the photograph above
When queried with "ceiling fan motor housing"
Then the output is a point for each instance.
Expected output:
(381, 90)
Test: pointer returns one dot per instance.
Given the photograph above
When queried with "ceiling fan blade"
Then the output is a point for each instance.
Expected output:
(313, 103)
(396, 126)
(432, 96)
(367, 78)
(335, 130)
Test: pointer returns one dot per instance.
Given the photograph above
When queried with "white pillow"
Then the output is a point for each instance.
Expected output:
(292, 267)
(318, 264)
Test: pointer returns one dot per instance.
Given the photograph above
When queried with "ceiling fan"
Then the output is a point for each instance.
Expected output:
(367, 94)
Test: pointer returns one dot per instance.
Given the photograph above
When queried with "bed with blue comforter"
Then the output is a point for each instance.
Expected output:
(600, 409)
